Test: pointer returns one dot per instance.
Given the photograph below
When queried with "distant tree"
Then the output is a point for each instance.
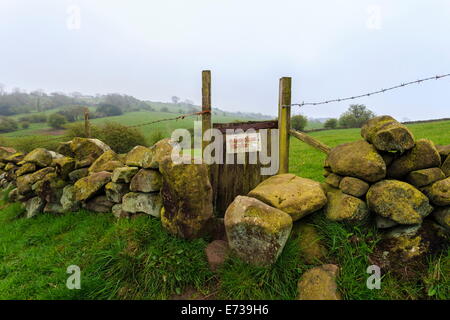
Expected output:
(175, 99)
(56, 121)
(299, 122)
(73, 114)
(355, 116)
(25, 124)
(331, 123)
(8, 124)
(164, 109)
(109, 110)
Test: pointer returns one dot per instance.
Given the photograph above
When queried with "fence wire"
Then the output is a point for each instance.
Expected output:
(437, 77)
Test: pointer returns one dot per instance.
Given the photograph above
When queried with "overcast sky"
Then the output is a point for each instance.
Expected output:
(154, 49)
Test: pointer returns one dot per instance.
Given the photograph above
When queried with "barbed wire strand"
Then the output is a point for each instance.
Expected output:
(370, 93)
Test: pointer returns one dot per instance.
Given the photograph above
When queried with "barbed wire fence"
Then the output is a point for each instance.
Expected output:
(437, 77)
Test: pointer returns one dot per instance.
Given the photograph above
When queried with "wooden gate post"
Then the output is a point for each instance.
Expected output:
(87, 128)
(284, 123)
(206, 105)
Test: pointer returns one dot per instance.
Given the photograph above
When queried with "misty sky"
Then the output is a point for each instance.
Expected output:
(154, 49)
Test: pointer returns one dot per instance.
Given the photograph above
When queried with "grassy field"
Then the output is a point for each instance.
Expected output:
(137, 259)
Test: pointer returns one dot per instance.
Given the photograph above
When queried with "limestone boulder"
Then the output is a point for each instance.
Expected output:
(256, 231)
(424, 177)
(68, 199)
(292, 194)
(398, 201)
(319, 283)
(439, 192)
(124, 174)
(40, 157)
(342, 207)
(357, 159)
(99, 204)
(444, 151)
(442, 216)
(140, 156)
(422, 156)
(89, 186)
(108, 161)
(161, 150)
(353, 186)
(64, 166)
(187, 197)
(26, 168)
(137, 202)
(34, 206)
(146, 180)
(387, 134)
(115, 191)
(86, 151)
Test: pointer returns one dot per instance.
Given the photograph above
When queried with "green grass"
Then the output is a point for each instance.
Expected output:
(137, 259)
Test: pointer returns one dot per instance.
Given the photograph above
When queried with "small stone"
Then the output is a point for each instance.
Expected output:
(424, 177)
(68, 199)
(319, 283)
(40, 157)
(139, 156)
(53, 208)
(146, 181)
(342, 207)
(446, 167)
(124, 174)
(26, 168)
(439, 192)
(384, 223)
(64, 166)
(16, 157)
(442, 216)
(333, 180)
(88, 186)
(78, 174)
(99, 204)
(108, 161)
(401, 231)
(354, 186)
(216, 252)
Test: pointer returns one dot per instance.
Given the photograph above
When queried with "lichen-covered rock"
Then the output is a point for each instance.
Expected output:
(398, 201)
(357, 159)
(442, 216)
(439, 192)
(50, 187)
(89, 186)
(146, 180)
(388, 157)
(77, 174)
(5, 152)
(424, 177)
(99, 204)
(292, 194)
(444, 151)
(422, 156)
(118, 212)
(26, 168)
(116, 191)
(161, 150)
(311, 248)
(187, 197)
(446, 167)
(353, 186)
(53, 208)
(13, 195)
(11, 168)
(345, 208)
(25, 182)
(108, 161)
(68, 199)
(256, 232)
(16, 157)
(319, 283)
(64, 166)
(149, 203)
(140, 156)
(87, 150)
(40, 157)
(124, 174)
(333, 180)
(387, 134)
(34, 206)
(65, 149)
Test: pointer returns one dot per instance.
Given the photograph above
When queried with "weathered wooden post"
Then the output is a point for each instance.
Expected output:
(284, 123)
(87, 128)
(206, 105)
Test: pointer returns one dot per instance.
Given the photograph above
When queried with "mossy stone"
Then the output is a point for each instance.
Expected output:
(354, 186)
(40, 157)
(89, 186)
(319, 283)
(342, 207)
(420, 178)
(439, 192)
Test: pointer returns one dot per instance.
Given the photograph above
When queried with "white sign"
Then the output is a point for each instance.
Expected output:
(243, 142)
